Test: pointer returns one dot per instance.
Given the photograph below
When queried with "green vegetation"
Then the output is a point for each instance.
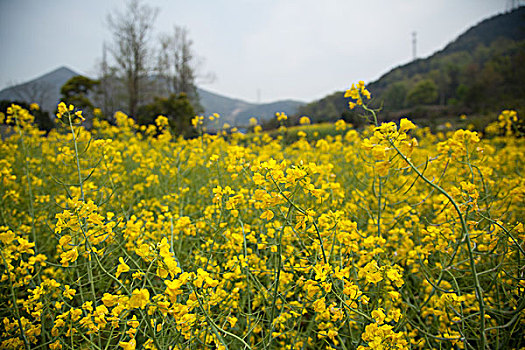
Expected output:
(177, 108)
(76, 91)
(479, 73)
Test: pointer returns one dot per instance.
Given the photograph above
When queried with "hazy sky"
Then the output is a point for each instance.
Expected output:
(298, 49)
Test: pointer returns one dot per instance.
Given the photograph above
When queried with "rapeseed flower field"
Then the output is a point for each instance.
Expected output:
(388, 238)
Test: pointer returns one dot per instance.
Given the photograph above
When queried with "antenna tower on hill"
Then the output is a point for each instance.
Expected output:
(414, 45)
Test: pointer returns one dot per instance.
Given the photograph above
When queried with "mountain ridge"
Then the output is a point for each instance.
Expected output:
(45, 90)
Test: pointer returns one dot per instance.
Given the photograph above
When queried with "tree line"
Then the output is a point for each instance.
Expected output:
(148, 77)
(139, 74)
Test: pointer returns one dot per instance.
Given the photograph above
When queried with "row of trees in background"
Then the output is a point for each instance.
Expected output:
(141, 78)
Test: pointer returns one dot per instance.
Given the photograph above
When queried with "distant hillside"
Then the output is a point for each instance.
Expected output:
(482, 70)
(225, 106)
(267, 111)
(238, 112)
(45, 90)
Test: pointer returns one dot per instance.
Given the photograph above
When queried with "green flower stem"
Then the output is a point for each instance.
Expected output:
(80, 181)
(302, 211)
(88, 245)
(214, 326)
(477, 286)
(277, 278)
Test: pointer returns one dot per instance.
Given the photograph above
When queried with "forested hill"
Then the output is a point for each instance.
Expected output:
(481, 71)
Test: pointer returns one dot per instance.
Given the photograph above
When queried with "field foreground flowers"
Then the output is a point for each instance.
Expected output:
(390, 238)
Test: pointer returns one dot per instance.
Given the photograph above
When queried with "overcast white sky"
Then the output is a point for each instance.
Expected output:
(298, 49)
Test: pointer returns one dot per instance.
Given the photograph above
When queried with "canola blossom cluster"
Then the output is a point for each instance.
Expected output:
(358, 93)
(387, 238)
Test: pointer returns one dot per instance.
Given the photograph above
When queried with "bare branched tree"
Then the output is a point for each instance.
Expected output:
(178, 66)
(131, 50)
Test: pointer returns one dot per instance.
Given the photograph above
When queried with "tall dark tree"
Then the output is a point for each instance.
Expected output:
(131, 49)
